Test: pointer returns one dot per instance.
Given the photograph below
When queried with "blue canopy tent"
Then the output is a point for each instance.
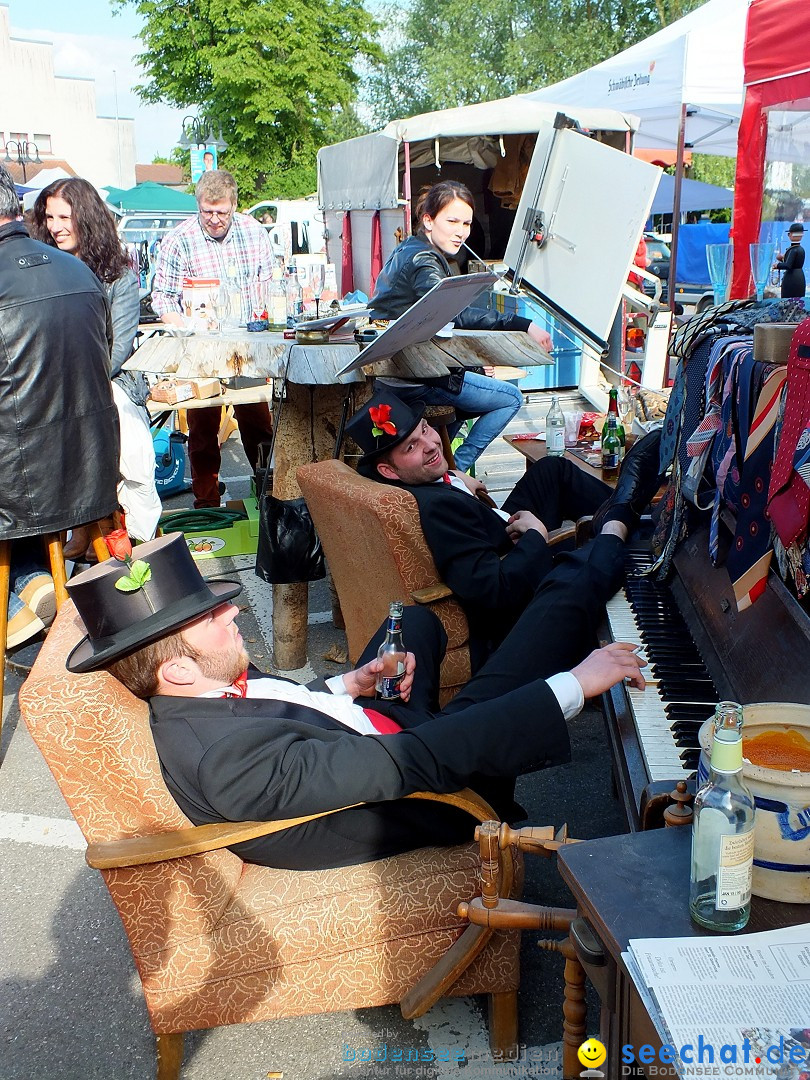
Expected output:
(695, 195)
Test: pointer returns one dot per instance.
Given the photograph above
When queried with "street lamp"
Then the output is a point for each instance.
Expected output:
(23, 152)
(199, 131)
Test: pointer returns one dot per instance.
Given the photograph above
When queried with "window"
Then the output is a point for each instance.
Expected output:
(43, 143)
(18, 136)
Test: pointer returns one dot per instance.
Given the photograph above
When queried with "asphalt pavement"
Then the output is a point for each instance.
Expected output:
(70, 1000)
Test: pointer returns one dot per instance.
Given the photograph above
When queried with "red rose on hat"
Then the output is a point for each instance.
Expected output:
(380, 420)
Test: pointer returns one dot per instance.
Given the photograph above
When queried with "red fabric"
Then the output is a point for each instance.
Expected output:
(384, 724)
(446, 478)
(639, 259)
(788, 495)
(777, 47)
(240, 685)
(376, 250)
(346, 261)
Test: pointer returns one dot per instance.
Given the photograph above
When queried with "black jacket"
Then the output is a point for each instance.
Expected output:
(414, 267)
(58, 421)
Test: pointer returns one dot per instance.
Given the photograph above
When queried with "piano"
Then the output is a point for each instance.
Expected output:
(700, 650)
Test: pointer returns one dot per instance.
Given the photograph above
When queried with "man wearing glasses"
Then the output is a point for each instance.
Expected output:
(218, 243)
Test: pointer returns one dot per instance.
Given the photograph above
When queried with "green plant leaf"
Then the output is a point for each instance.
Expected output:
(126, 584)
(140, 572)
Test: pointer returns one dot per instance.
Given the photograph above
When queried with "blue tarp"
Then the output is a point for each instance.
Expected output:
(692, 241)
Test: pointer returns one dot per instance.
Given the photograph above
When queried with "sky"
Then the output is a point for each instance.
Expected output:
(91, 40)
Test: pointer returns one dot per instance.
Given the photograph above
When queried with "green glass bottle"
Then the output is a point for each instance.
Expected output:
(613, 410)
(723, 832)
(611, 448)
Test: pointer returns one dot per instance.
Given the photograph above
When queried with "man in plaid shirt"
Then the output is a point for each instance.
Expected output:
(217, 243)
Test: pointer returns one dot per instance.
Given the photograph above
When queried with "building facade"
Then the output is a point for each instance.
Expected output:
(57, 116)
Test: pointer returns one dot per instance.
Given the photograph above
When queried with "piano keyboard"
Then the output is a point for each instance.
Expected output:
(680, 694)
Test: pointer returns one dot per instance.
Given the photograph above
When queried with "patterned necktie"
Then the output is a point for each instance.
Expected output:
(788, 494)
(750, 557)
(238, 687)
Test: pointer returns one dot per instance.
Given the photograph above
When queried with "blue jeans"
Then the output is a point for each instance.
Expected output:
(492, 401)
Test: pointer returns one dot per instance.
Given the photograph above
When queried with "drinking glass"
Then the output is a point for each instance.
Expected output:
(220, 305)
(719, 258)
(317, 274)
(761, 256)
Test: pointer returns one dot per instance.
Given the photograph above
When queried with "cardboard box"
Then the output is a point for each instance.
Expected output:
(241, 538)
(206, 388)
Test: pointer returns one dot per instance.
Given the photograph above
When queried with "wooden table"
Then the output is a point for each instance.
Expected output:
(313, 404)
(535, 449)
(637, 886)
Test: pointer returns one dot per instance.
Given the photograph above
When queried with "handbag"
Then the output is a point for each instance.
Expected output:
(289, 549)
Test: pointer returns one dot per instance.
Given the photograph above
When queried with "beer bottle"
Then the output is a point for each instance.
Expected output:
(392, 654)
(613, 409)
(611, 448)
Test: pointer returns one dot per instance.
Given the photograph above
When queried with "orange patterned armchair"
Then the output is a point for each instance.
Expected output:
(218, 941)
(376, 551)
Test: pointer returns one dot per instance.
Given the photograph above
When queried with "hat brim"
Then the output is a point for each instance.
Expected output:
(89, 656)
(419, 411)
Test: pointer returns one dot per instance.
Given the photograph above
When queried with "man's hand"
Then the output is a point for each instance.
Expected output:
(470, 482)
(521, 522)
(609, 665)
(362, 681)
(542, 337)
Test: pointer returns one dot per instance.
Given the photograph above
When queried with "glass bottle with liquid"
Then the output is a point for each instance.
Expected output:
(555, 429)
(613, 410)
(392, 655)
(277, 301)
(611, 448)
(723, 832)
(295, 297)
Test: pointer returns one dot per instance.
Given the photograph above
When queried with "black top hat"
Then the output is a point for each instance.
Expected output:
(383, 423)
(796, 227)
(120, 622)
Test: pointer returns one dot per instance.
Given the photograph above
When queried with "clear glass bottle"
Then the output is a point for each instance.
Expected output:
(611, 448)
(723, 832)
(555, 429)
(392, 654)
(295, 297)
(277, 301)
(613, 410)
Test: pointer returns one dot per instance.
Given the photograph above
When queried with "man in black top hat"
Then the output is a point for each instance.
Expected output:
(237, 745)
(494, 560)
(792, 262)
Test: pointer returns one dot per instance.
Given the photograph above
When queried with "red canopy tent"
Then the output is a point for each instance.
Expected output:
(777, 75)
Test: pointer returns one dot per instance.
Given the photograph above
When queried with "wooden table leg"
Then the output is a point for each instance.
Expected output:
(307, 430)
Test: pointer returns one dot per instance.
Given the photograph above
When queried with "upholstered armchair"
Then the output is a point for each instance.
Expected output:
(376, 552)
(218, 941)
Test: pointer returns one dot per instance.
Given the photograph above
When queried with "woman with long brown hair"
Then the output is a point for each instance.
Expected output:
(70, 215)
(444, 214)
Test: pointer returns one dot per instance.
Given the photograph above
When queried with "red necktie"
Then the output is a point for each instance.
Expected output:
(384, 724)
(446, 478)
(238, 686)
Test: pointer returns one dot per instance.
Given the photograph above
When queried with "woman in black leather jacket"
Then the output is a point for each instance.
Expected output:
(445, 215)
(70, 215)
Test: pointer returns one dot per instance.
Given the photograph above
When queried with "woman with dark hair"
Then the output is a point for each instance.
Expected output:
(70, 215)
(445, 214)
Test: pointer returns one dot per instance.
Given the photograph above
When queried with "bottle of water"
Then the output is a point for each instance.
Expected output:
(295, 297)
(723, 832)
(555, 429)
(392, 654)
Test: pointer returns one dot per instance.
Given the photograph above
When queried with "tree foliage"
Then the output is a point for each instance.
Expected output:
(443, 53)
(277, 78)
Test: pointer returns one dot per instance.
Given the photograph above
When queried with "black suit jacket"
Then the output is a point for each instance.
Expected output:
(234, 759)
(493, 578)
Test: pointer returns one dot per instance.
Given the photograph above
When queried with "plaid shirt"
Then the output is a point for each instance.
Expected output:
(188, 251)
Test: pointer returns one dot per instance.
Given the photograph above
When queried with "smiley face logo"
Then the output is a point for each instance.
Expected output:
(592, 1054)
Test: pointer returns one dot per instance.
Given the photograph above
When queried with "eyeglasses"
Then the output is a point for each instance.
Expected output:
(209, 214)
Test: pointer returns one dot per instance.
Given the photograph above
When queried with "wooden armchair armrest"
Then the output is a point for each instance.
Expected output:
(431, 593)
(159, 847)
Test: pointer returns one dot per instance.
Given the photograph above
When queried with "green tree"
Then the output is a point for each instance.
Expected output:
(274, 76)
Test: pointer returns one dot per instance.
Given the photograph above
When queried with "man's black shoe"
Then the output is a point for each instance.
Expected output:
(638, 481)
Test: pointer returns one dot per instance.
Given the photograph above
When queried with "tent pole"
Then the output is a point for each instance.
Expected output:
(406, 187)
(676, 208)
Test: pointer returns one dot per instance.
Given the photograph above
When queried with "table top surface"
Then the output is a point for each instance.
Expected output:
(235, 354)
(637, 885)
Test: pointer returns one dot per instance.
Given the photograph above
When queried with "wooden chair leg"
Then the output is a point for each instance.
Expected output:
(5, 584)
(447, 447)
(100, 548)
(56, 562)
(575, 1011)
(503, 1025)
(169, 1055)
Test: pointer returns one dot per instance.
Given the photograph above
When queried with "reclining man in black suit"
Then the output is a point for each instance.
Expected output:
(237, 745)
(494, 560)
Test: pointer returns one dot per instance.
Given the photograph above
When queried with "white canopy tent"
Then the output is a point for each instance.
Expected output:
(696, 63)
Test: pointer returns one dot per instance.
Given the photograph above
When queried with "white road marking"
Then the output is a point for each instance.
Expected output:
(41, 831)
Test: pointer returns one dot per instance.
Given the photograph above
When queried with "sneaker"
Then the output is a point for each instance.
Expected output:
(37, 592)
(22, 622)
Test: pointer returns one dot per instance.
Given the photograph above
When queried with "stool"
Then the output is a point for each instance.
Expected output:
(440, 417)
(56, 561)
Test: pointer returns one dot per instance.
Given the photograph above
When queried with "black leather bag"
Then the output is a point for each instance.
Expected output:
(289, 550)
